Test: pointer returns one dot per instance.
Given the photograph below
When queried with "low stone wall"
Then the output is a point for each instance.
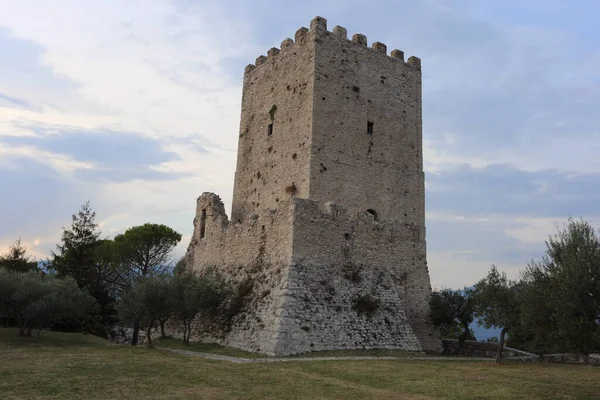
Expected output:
(480, 349)
(568, 358)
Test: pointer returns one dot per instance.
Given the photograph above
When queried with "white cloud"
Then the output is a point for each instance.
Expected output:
(457, 269)
(494, 94)
(538, 230)
(62, 164)
(157, 70)
(142, 67)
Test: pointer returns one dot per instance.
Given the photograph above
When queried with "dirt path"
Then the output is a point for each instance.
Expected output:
(239, 360)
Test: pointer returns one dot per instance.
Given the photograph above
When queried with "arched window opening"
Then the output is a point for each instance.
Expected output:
(203, 224)
(373, 213)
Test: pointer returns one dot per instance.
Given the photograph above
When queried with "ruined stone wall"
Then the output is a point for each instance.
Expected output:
(377, 167)
(278, 90)
(257, 251)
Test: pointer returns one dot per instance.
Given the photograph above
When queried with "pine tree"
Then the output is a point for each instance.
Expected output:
(16, 259)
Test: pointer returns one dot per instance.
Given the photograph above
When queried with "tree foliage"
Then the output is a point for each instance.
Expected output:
(79, 256)
(497, 304)
(562, 300)
(142, 251)
(452, 311)
(149, 300)
(16, 259)
(180, 267)
(76, 255)
(146, 249)
(36, 300)
(207, 294)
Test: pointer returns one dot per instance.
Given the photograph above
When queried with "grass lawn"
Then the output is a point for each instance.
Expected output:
(72, 366)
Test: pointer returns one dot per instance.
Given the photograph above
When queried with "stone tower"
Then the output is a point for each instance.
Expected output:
(327, 228)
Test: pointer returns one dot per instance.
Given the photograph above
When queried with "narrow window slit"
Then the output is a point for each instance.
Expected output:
(203, 224)
(270, 130)
(370, 127)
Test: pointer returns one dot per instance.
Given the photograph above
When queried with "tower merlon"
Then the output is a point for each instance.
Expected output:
(300, 34)
(380, 47)
(359, 39)
(288, 42)
(397, 54)
(414, 62)
(340, 31)
(260, 60)
(318, 24)
(273, 51)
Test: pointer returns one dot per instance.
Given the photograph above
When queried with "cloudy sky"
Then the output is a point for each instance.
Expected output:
(134, 105)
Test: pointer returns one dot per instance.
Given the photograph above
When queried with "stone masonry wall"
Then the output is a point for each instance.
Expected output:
(355, 85)
(341, 257)
(258, 251)
(278, 90)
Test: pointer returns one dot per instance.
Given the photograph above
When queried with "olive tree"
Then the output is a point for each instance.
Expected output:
(497, 304)
(149, 300)
(452, 311)
(208, 294)
(563, 296)
(142, 251)
(36, 300)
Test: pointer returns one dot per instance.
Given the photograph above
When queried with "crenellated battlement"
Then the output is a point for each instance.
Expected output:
(318, 27)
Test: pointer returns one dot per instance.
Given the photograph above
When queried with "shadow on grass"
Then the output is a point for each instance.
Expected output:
(9, 337)
(211, 348)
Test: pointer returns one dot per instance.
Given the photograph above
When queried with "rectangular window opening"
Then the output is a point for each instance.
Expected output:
(370, 127)
(416, 235)
(270, 130)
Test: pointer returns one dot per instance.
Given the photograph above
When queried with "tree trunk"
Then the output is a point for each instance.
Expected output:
(22, 325)
(148, 335)
(136, 333)
(500, 346)
(462, 338)
(188, 331)
(162, 328)
(30, 326)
